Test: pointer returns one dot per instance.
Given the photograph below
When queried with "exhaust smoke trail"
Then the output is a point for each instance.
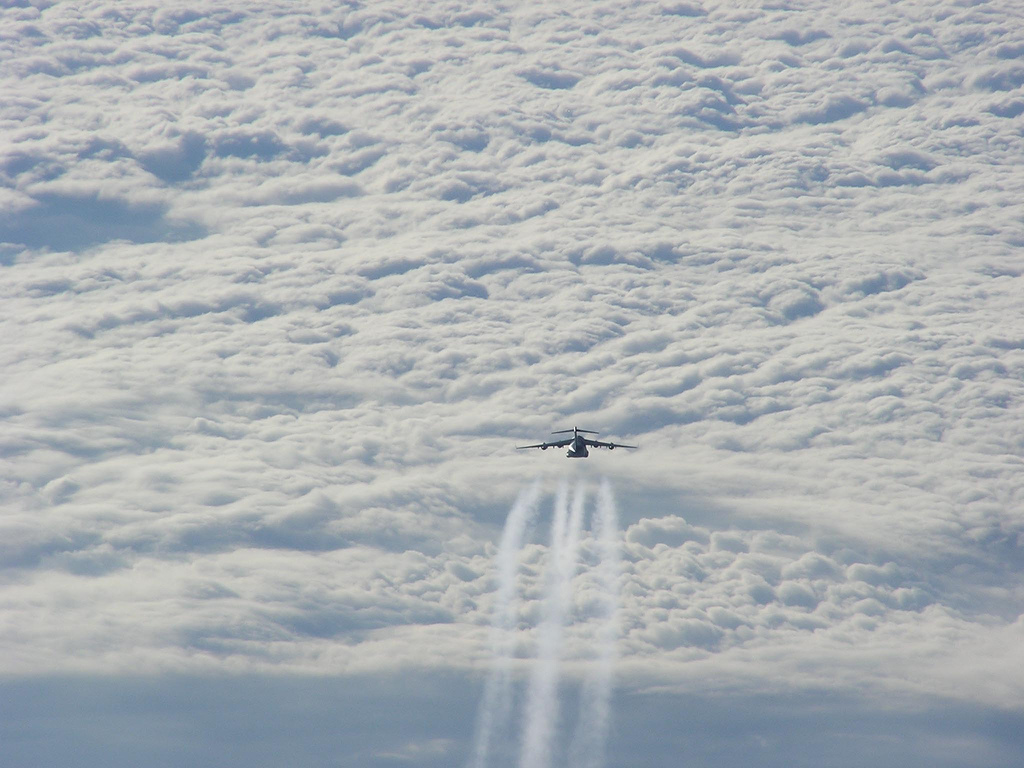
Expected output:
(541, 716)
(542, 698)
(588, 744)
(496, 704)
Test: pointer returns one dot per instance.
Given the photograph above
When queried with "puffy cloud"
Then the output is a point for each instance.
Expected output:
(283, 286)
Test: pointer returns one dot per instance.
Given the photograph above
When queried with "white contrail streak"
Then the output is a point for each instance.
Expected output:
(496, 703)
(541, 715)
(542, 699)
(588, 746)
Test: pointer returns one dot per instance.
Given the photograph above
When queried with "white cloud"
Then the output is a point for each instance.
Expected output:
(283, 287)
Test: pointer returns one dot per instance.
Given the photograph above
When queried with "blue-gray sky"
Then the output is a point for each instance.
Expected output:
(282, 284)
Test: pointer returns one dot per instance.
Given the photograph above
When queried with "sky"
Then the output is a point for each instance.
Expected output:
(283, 284)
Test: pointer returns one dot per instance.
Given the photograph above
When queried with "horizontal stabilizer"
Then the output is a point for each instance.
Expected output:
(563, 431)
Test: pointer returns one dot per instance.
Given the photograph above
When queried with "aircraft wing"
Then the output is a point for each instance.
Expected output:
(602, 444)
(553, 444)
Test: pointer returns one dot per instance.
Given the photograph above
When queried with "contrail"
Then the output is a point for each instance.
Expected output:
(588, 746)
(541, 716)
(542, 699)
(496, 704)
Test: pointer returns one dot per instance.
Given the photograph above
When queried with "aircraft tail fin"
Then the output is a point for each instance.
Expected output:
(574, 429)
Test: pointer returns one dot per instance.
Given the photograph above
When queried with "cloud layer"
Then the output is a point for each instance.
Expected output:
(282, 288)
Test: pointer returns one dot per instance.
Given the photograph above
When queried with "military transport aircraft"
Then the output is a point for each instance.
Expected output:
(577, 443)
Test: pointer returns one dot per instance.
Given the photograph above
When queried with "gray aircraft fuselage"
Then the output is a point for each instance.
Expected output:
(578, 449)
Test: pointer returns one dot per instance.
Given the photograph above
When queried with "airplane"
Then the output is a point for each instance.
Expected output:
(577, 443)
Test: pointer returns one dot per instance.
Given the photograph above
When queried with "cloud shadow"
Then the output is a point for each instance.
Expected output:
(63, 222)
